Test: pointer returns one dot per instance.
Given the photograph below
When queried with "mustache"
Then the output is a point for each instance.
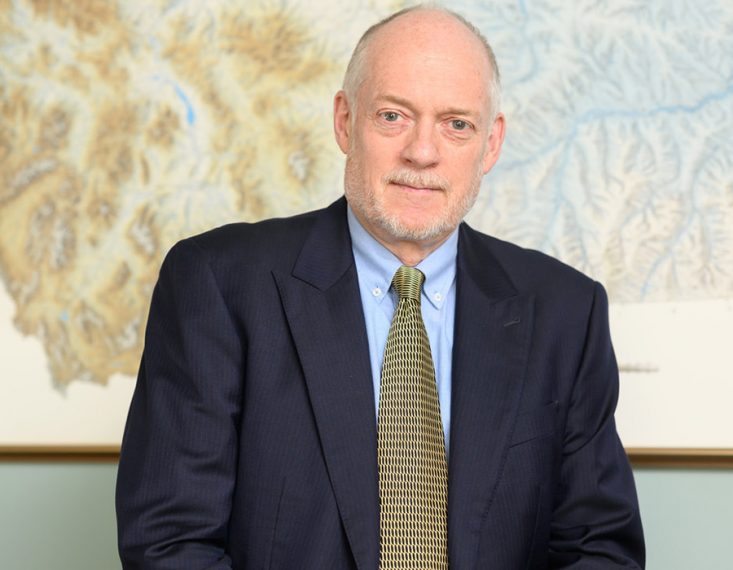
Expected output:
(406, 177)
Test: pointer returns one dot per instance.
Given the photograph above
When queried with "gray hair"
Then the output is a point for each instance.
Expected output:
(355, 72)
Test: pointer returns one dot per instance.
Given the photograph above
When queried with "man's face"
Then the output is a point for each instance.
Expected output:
(418, 138)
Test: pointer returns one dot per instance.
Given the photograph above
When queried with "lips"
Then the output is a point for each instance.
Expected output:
(416, 182)
(411, 188)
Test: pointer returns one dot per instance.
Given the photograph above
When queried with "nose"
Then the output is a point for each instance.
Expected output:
(421, 147)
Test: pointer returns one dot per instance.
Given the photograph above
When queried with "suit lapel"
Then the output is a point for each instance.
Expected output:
(493, 326)
(324, 311)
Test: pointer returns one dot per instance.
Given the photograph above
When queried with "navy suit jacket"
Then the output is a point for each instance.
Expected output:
(251, 439)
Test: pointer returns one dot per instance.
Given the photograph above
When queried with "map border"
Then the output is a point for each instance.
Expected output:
(640, 457)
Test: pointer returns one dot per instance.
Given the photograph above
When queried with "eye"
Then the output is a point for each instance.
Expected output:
(459, 124)
(390, 116)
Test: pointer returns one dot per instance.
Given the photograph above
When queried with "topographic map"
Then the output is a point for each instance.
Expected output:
(127, 125)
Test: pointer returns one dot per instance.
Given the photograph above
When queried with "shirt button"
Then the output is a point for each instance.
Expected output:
(438, 297)
(376, 291)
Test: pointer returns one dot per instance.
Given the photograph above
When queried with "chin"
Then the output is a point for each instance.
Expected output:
(416, 231)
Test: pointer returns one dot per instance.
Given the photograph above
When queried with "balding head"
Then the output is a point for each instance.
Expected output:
(432, 21)
(417, 123)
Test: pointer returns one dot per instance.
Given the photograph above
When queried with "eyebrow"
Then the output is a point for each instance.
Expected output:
(405, 103)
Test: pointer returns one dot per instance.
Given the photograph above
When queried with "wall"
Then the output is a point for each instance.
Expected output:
(57, 517)
(61, 517)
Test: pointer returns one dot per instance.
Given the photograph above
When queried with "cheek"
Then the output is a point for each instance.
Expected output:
(470, 167)
(374, 168)
(379, 151)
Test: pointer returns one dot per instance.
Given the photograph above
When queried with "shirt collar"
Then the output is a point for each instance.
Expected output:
(377, 265)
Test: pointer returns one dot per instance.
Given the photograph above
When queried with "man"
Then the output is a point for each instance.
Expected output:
(259, 432)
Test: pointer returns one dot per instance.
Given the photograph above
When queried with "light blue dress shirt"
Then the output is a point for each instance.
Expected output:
(376, 266)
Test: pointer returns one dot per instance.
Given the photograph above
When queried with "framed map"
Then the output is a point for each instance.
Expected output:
(125, 126)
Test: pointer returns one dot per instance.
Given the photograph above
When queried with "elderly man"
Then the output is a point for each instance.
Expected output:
(377, 385)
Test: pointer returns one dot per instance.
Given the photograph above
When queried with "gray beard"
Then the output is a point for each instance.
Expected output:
(373, 211)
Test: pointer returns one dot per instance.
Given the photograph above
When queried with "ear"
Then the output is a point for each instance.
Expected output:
(341, 121)
(493, 146)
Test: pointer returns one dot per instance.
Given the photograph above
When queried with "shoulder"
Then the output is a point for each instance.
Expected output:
(558, 287)
(259, 241)
(269, 243)
(527, 268)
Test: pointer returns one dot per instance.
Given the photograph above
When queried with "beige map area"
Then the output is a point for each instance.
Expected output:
(125, 126)
(128, 124)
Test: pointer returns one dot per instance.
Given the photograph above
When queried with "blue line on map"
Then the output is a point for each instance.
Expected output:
(595, 115)
(599, 114)
(190, 113)
(694, 108)
(683, 229)
(64, 316)
(528, 43)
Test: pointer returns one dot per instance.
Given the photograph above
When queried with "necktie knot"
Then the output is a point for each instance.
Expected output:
(407, 281)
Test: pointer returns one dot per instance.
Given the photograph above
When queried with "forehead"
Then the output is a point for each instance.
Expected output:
(431, 58)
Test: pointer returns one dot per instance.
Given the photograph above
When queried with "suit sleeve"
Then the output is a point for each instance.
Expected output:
(177, 462)
(596, 522)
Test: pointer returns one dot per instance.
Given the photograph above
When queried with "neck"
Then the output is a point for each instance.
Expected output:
(411, 253)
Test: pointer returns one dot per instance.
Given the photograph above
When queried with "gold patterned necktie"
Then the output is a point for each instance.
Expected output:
(413, 471)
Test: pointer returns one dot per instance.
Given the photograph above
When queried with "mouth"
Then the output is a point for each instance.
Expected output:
(416, 183)
(418, 188)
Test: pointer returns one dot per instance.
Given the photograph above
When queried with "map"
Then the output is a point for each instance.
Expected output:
(127, 125)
